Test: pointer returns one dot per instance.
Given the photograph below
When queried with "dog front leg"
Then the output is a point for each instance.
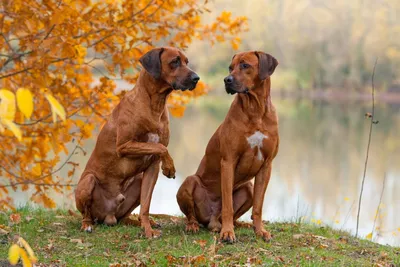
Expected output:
(227, 232)
(132, 148)
(149, 180)
(260, 186)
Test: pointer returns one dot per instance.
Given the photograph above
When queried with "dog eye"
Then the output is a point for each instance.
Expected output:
(230, 69)
(176, 63)
(244, 66)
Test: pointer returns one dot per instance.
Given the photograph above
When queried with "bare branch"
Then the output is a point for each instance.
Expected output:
(369, 143)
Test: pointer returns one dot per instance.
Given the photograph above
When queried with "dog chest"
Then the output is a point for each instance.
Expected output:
(255, 141)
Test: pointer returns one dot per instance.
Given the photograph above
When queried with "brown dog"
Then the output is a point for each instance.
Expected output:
(124, 166)
(242, 148)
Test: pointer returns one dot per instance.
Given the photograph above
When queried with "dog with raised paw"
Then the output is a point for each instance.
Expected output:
(124, 166)
(242, 148)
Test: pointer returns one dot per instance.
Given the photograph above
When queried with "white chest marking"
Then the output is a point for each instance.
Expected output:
(256, 140)
(153, 138)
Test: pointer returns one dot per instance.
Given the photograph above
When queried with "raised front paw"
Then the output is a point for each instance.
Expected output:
(168, 168)
(227, 236)
(264, 234)
(192, 227)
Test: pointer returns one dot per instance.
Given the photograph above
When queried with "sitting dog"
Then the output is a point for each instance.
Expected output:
(124, 166)
(242, 148)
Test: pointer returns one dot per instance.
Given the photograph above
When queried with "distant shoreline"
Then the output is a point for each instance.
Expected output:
(330, 95)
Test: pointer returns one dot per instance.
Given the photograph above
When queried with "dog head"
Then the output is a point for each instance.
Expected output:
(247, 70)
(171, 66)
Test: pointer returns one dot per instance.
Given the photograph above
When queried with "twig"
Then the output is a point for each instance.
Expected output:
(369, 143)
(380, 201)
(347, 215)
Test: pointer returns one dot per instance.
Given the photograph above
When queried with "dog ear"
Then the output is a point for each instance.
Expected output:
(266, 65)
(151, 62)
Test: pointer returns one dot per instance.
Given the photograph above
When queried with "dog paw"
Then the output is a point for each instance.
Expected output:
(192, 227)
(150, 233)
(227, 236)
(264, 234)
(167, 166)
(87, 227)
(169, 171)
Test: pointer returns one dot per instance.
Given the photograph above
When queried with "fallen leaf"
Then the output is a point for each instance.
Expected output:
(76, 241)
(15, 218)
(319, 237)
(369, 236)
(40, 230)
(3, 232)
(201, 243)
(28, 218)
(58, 224)
(298, 236)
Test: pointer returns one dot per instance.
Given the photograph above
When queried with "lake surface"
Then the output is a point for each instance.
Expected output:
(317, 174)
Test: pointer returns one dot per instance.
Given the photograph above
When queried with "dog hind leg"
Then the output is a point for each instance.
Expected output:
(192, 197)
(83, 200)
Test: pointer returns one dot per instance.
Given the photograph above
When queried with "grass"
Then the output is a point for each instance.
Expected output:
(57, 241)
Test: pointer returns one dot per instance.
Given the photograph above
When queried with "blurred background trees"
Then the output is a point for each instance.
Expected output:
(319, 44)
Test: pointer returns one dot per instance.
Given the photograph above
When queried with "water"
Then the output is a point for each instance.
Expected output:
(317, 174)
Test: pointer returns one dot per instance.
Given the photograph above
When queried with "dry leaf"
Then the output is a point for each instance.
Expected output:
(201, 243)
(15, 218)
(79, 241)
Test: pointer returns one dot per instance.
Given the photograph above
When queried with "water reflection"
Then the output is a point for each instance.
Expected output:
(318, 171)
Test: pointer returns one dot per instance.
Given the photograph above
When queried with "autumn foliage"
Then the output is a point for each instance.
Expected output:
(59, 60)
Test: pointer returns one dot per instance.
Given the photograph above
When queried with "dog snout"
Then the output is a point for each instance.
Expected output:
(194, 77)
(228, 80)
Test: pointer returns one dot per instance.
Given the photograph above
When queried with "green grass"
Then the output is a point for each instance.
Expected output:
(57, 241)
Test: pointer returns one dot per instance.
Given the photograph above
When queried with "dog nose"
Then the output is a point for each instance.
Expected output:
(228, 80)
(195, 78)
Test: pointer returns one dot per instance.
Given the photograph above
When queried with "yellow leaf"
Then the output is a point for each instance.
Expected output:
(56, 108)
(7, 105)
(13, 128)
(346, 199)
(369, 236)
(13, 254)
(26, 262)
(37, 170)
(28, 249)
(25, 102)
(177, 111)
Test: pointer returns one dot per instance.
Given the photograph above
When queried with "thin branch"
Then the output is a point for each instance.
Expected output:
(369, 143)
(29, 68)
(44, 176)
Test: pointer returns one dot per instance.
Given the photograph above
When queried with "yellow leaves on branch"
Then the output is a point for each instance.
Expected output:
(56, 108)
(25, 104)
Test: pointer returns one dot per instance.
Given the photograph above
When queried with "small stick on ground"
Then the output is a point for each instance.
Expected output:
(369, 143)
